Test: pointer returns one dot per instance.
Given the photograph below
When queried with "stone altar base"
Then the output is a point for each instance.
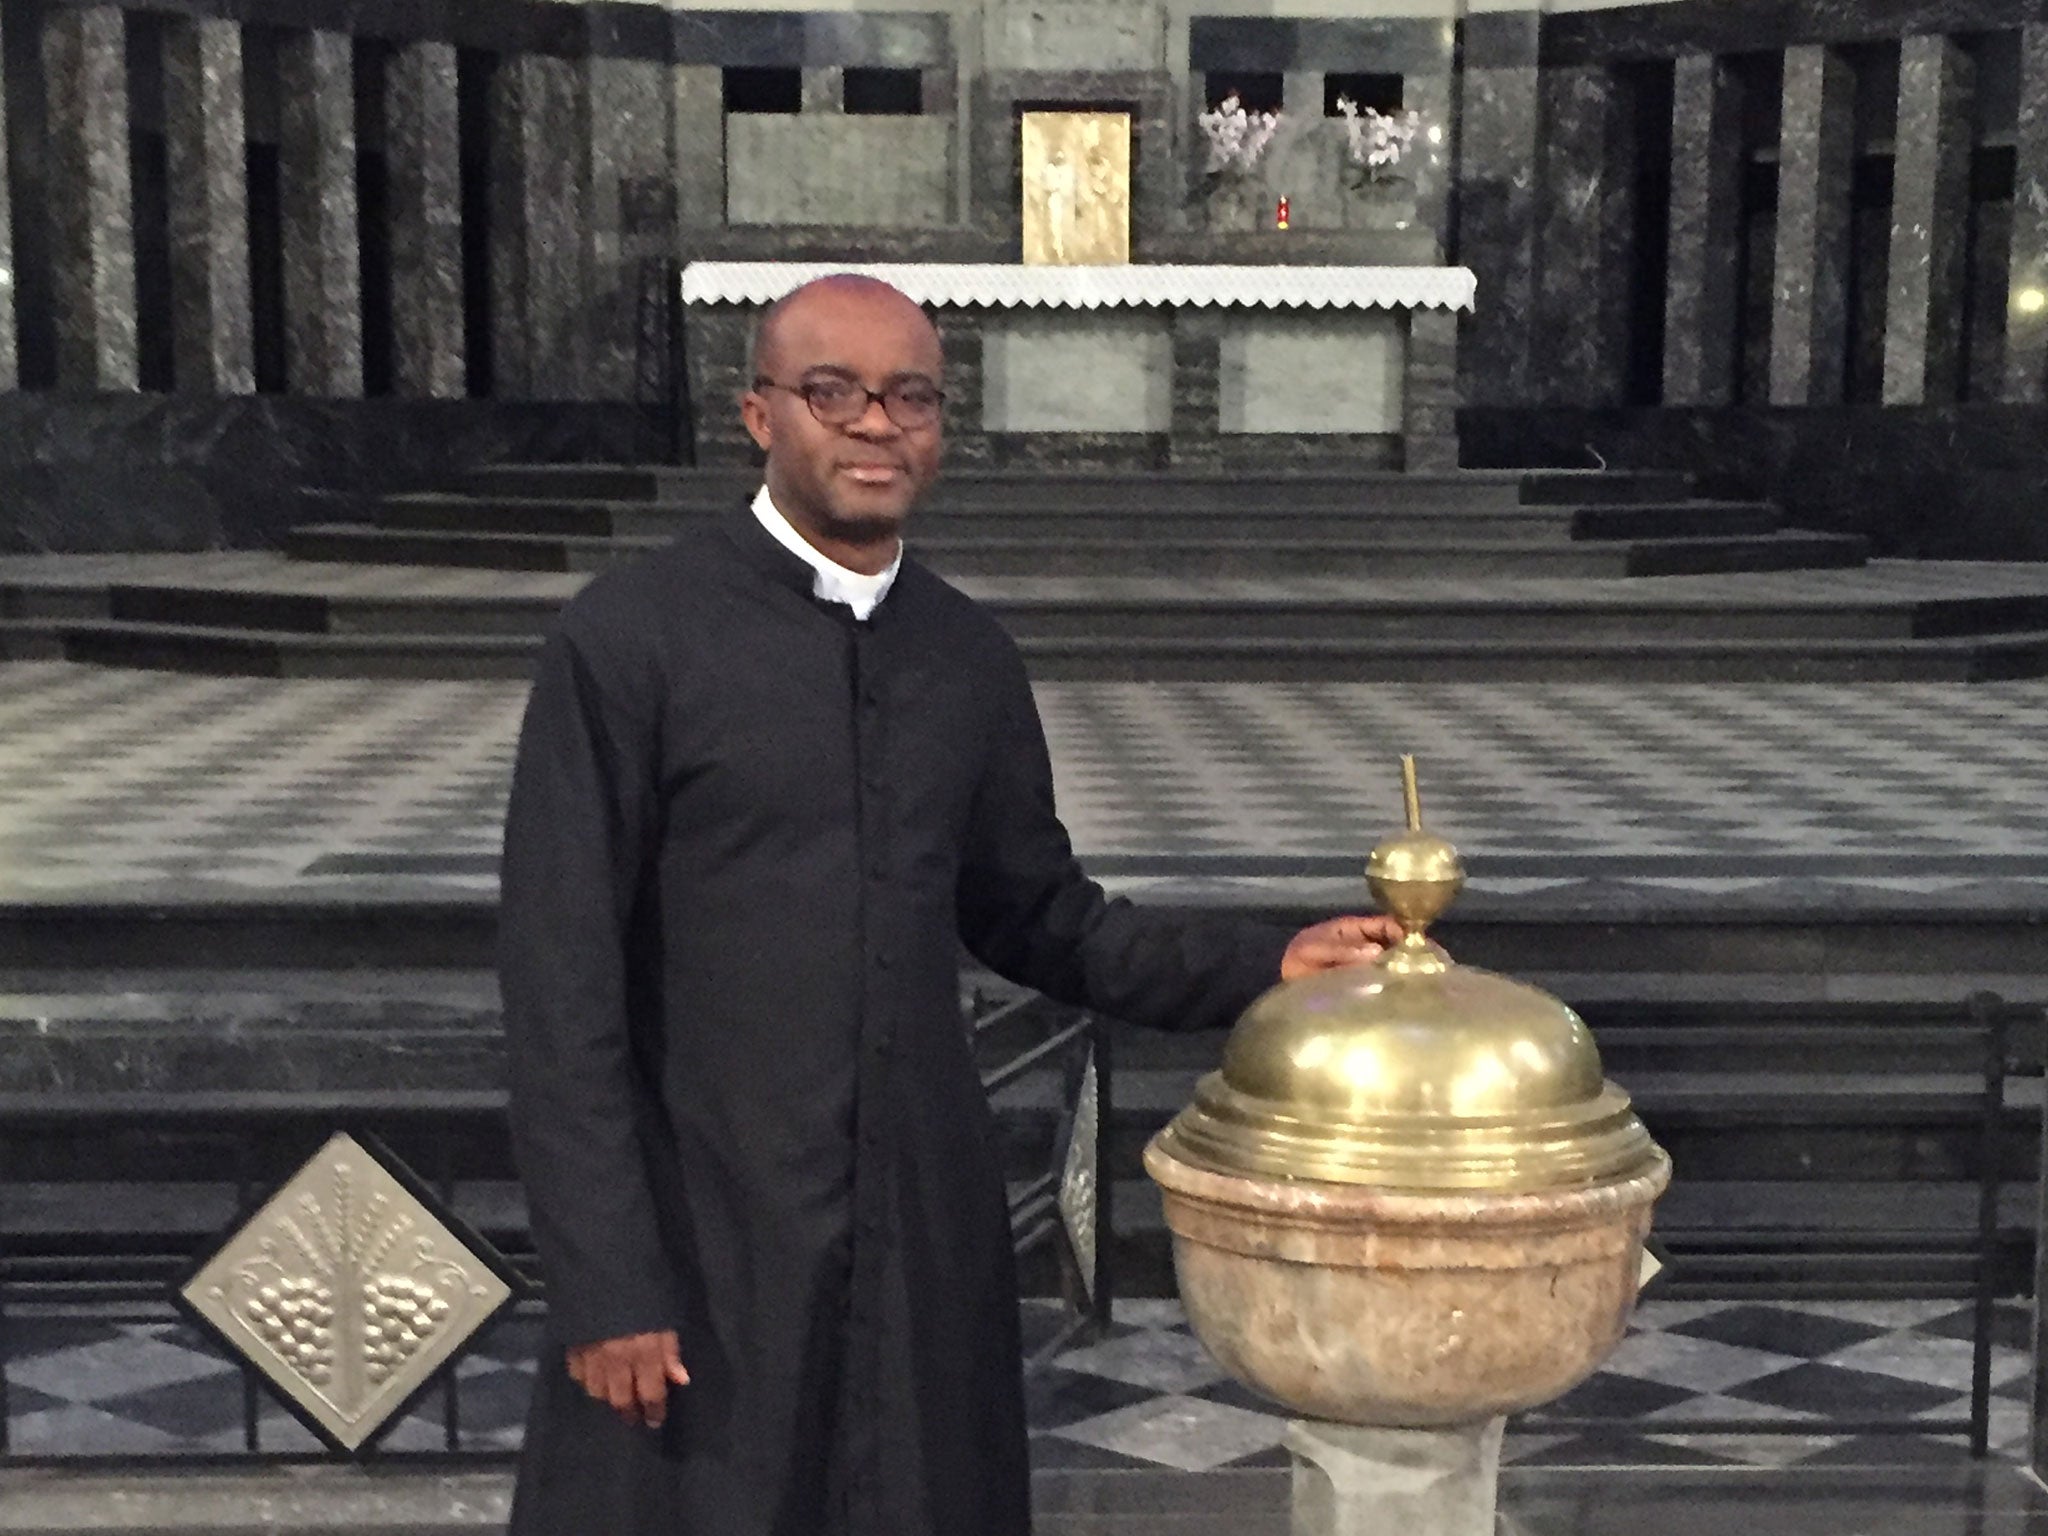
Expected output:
(1415, 1482)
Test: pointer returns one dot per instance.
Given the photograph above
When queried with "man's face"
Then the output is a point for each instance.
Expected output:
(857, 480)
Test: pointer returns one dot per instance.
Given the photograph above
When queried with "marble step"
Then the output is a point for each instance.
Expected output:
(1317, 519)
(1184, 556)
(1427, 557)
(227, 651)
(964, 483)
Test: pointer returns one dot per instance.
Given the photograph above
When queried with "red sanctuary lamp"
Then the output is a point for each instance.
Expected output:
(1280, 214)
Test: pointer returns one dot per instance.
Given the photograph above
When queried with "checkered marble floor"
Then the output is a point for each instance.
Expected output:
(261, 571)
(1148, 1395)
(136, 783)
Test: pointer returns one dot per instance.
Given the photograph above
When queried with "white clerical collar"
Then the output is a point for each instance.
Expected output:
(830, 581)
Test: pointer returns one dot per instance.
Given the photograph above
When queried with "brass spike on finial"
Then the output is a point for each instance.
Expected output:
(1415, 875)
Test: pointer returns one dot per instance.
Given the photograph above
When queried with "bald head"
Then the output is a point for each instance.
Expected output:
(846, 473)
(841, 295)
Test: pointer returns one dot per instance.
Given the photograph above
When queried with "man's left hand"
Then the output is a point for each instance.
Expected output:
(1340, 941)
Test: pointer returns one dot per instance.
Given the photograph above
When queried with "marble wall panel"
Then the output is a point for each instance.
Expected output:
(1810, 269)
(886, 172)
(1035, 35)
(539, 104)
(632, 229)
(1927, 278)
(2026, 336)
(819, 39)
(317, 185)
(91, 204)
(1584, 239)
(1077, 371)
(1309, 371)
(422, 146)
(212, 324)
(1498, 200)
(1704, 254)
(10, 335)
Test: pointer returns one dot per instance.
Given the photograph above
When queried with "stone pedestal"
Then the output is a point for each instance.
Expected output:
(1416, 1482)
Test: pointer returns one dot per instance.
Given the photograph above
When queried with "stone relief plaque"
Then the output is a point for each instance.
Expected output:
(1080, 1188)
(1077, 188)
(347, 1291)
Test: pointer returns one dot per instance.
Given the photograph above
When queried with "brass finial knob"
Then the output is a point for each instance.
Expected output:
(1414, 876)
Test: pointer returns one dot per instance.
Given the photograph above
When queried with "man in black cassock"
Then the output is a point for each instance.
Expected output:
(772, 777)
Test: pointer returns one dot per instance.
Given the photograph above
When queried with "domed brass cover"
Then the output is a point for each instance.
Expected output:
(1409, 1072)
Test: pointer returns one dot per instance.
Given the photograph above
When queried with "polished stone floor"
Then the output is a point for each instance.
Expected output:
(1147, 1397)
(124, 783)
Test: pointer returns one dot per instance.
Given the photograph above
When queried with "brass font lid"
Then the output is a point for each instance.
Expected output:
(1410, 1072)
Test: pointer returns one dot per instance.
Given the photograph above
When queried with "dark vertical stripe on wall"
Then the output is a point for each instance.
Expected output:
(149, 175)
(373, 222)
(1760, 82)
(266, 209)
(1869, 277)
(1649, 89)
(473, 107)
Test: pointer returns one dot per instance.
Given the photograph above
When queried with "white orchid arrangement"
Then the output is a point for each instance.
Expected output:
(1376, 142)
(1237, 139)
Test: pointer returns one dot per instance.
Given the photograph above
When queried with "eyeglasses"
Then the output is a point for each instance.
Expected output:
(913, 404)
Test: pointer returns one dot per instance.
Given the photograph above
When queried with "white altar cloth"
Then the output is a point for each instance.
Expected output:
(1001, 286)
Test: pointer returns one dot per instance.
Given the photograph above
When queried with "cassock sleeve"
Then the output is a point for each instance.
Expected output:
(577, 834)
(1028, 912)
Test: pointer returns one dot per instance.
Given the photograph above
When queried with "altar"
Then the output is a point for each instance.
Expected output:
(1151, 365)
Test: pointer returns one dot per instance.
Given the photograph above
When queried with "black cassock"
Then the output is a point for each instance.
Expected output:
(747, 836)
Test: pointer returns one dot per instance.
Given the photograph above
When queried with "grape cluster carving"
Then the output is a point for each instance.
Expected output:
(399, 1315)
(295, 1316)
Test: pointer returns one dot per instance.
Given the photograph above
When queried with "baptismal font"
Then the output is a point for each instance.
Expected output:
(1406, 1205)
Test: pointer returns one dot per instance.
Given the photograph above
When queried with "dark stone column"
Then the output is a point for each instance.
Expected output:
(540, 127)
(10, 337)
(1195, 427)
(2026, 314)
(1705, 255)
(715, 341)
(632, 223)
(212, 327)
(1429, 397)
(91, 209)
(422, 147)
(1585, 226)
(960, 332)
(1497, 202)
(323, 295)
(1927, 274)
(1816, 159)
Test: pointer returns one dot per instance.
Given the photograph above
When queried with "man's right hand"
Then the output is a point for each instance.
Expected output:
(631, 1374)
